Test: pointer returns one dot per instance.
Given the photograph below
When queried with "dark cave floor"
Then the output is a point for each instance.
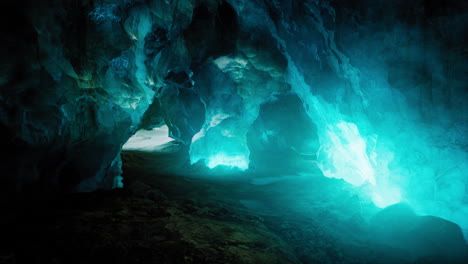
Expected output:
(170, 212)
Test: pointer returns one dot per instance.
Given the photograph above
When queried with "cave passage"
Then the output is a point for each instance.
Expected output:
(312, 131)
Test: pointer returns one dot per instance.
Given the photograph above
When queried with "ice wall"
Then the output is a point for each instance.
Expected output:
(384, 121)
(77, 78)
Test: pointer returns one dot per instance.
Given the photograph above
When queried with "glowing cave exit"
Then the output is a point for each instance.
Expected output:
(223, 159)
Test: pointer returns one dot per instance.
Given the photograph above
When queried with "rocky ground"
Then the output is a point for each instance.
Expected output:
(191, 215)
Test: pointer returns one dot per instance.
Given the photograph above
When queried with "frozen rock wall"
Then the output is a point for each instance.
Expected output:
(77, 78)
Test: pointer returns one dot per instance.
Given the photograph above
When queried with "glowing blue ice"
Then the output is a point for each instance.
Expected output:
(219, 144)
(223, 159)
(343, 155)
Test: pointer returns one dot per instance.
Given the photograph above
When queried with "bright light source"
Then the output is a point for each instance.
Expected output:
(148, 140)
(222, 159)
(386, 197)
(343, 155)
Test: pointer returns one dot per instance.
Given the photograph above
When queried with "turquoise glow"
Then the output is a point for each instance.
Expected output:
(222, 159)
(217, 145)
(345, 155)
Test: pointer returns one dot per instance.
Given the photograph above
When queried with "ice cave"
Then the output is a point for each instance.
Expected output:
(234, 131)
